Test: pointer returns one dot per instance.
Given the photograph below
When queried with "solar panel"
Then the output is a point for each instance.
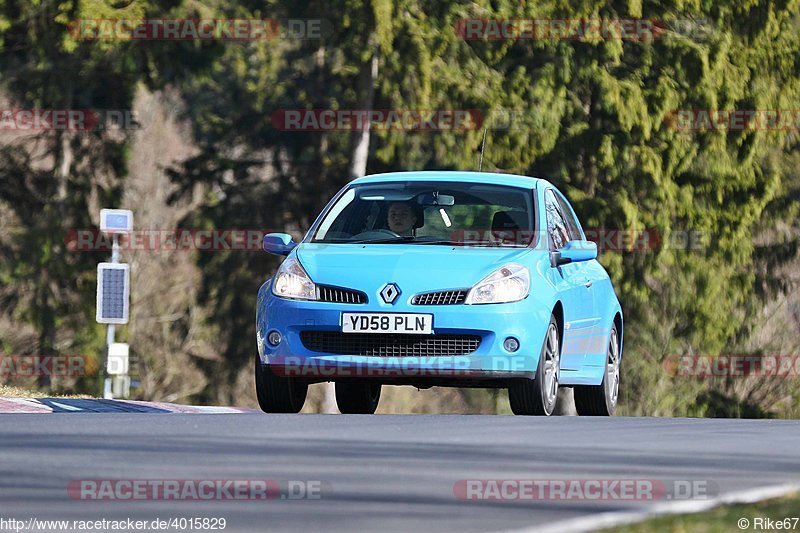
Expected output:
(113, 293)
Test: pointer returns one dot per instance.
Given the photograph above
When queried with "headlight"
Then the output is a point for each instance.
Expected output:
(291, 281)
(506, 284)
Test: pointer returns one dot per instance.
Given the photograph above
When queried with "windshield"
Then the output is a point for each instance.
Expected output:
(429, 213)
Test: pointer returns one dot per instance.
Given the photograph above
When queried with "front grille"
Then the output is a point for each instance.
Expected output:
(342, 296)
(389, 344)
(441, 298)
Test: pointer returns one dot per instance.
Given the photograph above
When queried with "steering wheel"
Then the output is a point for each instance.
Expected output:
(381, 231)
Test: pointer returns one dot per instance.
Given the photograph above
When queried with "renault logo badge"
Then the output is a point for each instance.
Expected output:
(390, 293)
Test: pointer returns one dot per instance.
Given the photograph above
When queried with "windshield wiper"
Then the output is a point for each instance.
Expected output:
(445, 243)
(481, 244)
(382, 241)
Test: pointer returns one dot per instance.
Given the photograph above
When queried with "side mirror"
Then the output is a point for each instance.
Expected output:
(278, 243)
(574, 252)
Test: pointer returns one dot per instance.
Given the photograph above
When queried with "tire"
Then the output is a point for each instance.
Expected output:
(601, 400)
(357, 397)
(276, 394)
(538, 396)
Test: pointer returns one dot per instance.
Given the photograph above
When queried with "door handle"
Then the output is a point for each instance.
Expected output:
(588, 284)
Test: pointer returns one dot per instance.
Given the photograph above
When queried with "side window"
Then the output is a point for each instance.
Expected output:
(569, 218)
(556, 227)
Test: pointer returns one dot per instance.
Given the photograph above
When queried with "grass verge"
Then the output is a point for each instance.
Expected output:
(8, 391)
(770, 515)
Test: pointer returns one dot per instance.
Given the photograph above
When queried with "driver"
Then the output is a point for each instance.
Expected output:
(401, 218)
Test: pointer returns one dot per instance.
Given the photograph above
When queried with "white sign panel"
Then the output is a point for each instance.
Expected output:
(116, 220)
(118, 359)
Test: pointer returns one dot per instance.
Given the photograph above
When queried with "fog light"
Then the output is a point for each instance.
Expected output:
(274, 338)
(511, 344)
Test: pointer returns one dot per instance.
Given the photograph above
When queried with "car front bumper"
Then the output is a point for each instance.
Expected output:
(525, 321)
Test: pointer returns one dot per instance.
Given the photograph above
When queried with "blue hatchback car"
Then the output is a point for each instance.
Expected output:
(461, 279)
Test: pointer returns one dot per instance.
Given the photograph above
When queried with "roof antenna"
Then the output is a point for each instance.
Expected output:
(483, 145)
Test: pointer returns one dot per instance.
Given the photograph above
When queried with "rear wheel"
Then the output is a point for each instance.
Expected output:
(278, 394)
(538, 396)
(601, 400)
(357, 397)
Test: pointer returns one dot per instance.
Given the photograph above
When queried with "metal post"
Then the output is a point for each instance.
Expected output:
(114, 380)
(111, 329)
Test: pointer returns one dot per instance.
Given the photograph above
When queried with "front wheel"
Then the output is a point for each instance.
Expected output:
(357, 398)
(601, 400)
(538, 396)
(278, 394)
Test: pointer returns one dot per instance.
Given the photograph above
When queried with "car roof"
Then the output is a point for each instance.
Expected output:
(494, 178)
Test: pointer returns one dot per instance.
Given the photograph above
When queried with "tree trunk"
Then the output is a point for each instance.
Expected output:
(366, 87)
(48, 291)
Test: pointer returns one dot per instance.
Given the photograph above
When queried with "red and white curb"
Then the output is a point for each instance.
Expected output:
(92, 405)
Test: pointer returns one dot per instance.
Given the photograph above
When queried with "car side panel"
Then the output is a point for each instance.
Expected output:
(566, 279)
(594, 339)
(608, 306)
(597, 339)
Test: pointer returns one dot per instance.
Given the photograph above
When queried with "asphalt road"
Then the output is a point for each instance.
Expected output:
(387, 473)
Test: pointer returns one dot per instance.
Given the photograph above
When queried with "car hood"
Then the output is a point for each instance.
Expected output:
(414, 268)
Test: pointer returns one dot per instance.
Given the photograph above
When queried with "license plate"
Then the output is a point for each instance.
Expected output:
(387, 323)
